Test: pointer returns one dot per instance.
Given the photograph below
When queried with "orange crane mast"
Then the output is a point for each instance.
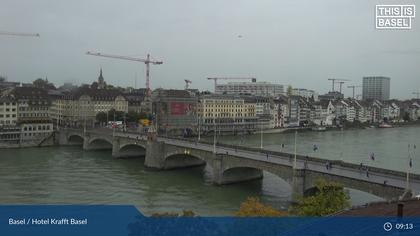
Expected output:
(146, 61)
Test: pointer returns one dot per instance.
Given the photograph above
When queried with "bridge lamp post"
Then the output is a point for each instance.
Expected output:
(214, 136)
(84, 123)
(261, 141)
(113, 126)
(199, 128)
(294, 161)
(407, 185)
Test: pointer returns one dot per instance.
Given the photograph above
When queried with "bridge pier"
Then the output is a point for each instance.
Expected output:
(298, 184)
(155, 154)
(116, 147)
(62, 138)
(86, 143)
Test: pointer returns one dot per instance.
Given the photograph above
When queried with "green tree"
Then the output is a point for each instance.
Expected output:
(135, 117)
(289, 90)
(119, 115)
(252, 207)
(330, 197)
(101, 117)
(44, 84)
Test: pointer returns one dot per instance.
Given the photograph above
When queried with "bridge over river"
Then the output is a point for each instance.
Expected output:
(232, 164)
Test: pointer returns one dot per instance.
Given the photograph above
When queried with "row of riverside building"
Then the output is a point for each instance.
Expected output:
(29, 113)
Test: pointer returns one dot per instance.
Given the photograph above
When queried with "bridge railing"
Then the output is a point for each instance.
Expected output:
(321, 161)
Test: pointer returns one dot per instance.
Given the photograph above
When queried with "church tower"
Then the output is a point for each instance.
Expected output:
(101, 81)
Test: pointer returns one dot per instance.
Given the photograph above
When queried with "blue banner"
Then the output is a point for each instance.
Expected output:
(123, 220)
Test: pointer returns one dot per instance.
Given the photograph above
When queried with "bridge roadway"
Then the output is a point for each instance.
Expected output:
(233, 164)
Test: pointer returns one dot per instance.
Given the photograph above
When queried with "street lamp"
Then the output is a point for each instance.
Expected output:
(214, 136)
(408, 169)
(261, 142)
(113, 126)
(84, 125)
(199, 130)
(125, 125)
(294, 162)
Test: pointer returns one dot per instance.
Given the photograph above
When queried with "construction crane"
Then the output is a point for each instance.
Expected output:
(18, 34)
(417, 94)
(341, 83)
(353, 87)
(187, 82)
(146, 61)
(230, 78)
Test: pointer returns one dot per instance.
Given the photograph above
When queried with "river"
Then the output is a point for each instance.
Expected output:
(68, 175)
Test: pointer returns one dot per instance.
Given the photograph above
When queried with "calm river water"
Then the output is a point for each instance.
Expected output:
(67, 175)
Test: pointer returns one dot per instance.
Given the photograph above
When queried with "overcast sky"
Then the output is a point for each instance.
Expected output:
(295, 42)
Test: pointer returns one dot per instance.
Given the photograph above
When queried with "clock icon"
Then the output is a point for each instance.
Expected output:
(387, 226)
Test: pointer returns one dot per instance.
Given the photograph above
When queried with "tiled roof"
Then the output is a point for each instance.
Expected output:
(29, 93)
(411, 208)
(172, 93)
(95, 94)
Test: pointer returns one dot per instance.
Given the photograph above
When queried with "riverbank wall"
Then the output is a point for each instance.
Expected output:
(44, 142)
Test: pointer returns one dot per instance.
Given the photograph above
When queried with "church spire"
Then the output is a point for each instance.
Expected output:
(101, 81)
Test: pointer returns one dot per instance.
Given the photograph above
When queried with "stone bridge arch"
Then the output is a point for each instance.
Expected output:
(134, 149)
(97, 143)
(128, 147)
(75, 139)
(234, 169)
(380, 190)
(184, 158)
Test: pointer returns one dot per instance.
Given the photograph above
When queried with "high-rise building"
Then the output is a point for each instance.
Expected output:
(376, 87)
(252, 88)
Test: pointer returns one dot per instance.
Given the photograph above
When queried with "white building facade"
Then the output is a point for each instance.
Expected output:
(265, 89)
